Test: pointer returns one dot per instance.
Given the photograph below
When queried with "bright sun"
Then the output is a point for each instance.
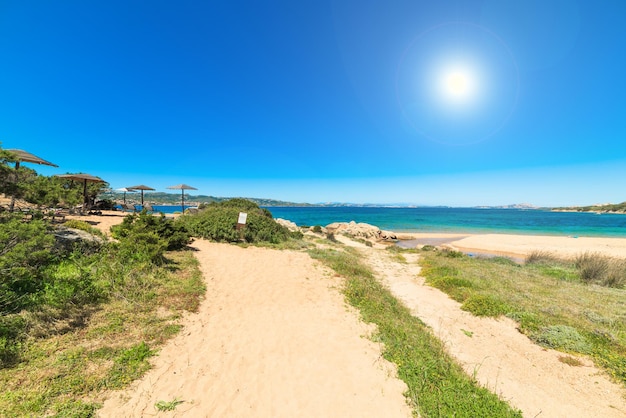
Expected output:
(457, 85)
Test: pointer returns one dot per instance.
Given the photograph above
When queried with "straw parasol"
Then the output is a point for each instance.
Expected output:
(22, 156)
(85, 178)
(27, 157)
(182, 188)
(141, 187)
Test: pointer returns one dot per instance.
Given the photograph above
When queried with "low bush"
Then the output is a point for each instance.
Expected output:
(563, 337)
(12, 335)
(83, 226)
(25, 249)
(218, 222)
(174, 234)
(485, 305)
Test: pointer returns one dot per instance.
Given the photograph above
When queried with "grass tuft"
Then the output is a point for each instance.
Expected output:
(570, 361)
(168, 405)
(602, 270)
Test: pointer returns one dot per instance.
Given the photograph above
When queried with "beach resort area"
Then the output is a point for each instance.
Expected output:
(208, 314)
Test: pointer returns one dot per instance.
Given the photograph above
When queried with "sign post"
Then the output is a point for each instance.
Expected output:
(241, 223)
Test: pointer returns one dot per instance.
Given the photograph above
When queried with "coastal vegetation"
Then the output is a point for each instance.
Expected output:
(75, 323)
(437, 385)
(79, 319)
(215, 222)
(575, 306)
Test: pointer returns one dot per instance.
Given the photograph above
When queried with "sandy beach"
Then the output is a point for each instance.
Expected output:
(520, 246)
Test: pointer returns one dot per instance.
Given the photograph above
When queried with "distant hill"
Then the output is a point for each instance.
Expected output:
(162, 198)
(601, 208)
(512, 206)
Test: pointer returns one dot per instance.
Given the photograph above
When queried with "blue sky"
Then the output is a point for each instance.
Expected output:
(436, 103)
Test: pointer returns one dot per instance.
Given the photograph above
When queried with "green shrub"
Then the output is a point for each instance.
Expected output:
(563, 337)
(452, 253)
(218, 222)
(69, 284)
(26, 248)
(83, 226)
(12, 334)
(173, 233)
(317, 229)
(449, 282)
(142, 247)
(485, 305)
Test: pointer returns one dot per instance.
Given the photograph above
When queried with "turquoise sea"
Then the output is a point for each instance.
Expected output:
(462, 220)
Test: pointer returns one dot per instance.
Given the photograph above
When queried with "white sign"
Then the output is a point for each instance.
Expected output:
(242, 218)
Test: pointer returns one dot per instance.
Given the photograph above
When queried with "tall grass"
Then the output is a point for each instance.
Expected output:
(437, 385)
(602, 270)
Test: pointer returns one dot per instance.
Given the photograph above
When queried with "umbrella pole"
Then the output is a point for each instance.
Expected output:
(182, 194)
(85, 202)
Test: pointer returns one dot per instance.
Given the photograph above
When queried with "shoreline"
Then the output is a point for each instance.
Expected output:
(520, 246)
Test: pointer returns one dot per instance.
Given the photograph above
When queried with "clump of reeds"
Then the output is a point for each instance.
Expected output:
(542, 257)
(602, 270)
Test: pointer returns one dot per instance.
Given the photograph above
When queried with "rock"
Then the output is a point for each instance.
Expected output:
(68, 238)
(287, 224)
(360, 230)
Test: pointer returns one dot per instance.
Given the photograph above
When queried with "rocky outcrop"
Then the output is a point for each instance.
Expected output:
(68, 238)
(287, 224)
(361, 230)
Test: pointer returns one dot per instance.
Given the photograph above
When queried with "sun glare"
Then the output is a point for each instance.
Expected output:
(458, 85)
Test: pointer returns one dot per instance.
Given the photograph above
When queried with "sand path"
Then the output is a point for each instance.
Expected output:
(273, 338)
(528, 376)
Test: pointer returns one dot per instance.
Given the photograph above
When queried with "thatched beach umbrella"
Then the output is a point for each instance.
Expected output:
(182, 188)
(22, 156)
(141, 187)
(27, 157)
(85, 178)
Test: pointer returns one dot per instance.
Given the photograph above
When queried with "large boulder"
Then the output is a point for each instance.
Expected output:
(68, 238)
(287, 224)
(360, 230)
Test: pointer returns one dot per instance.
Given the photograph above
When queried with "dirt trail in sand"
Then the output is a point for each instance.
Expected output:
(274, 338)
(530, 377)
